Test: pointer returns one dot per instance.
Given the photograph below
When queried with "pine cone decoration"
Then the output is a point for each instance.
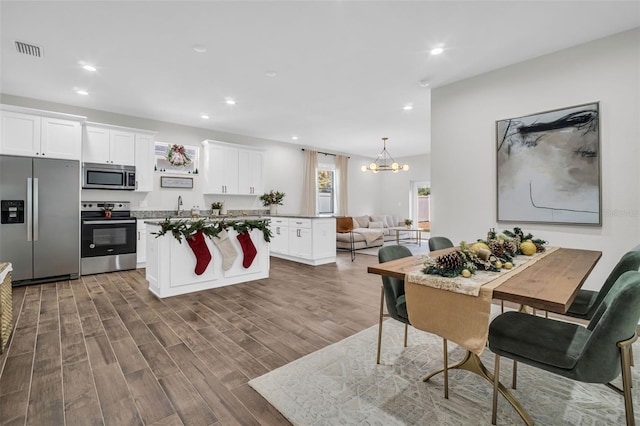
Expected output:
(539, 247)
(510, 247)
(496, 248)
(451, 260)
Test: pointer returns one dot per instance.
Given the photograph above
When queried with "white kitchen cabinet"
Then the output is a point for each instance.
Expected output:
(141, 243)
(310, 240)
(280, 235)
(300, 242)
(108, 144)
(31, 135)
(123, 148)
(250, 172)
(60, 138)
(144, 161)
(220, 168)
(232, 169)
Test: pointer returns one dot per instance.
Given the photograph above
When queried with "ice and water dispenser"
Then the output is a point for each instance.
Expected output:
(11, 211)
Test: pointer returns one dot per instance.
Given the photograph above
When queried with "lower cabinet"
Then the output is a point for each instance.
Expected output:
(280, 235)
(306, 240)
(141, 244)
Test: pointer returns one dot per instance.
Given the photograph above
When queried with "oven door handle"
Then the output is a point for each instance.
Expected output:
(109, 222)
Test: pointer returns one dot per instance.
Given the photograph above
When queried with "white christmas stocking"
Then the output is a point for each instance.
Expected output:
(229, 252)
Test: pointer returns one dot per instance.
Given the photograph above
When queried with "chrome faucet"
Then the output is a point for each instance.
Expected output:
(179, 204)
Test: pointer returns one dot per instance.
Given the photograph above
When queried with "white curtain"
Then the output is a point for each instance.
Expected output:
(342, 173)
(309, 183)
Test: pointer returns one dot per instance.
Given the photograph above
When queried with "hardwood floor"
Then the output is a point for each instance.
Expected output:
(103, 350)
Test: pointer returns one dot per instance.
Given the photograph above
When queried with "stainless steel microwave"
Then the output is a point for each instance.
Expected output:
(108, 176)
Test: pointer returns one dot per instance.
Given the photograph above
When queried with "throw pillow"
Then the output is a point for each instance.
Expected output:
(389, 220)
(378, 218)
(363, 221)
(376, 225)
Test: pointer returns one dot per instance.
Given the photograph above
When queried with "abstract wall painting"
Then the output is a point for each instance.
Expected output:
(549, 167)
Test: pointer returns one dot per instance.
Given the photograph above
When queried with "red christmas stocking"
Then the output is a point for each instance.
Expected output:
(200, 249)
(248, 249)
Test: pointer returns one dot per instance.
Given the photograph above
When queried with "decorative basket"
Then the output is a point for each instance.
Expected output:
(6, 307)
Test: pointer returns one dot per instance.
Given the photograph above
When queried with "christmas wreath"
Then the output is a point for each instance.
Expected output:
(177, 156)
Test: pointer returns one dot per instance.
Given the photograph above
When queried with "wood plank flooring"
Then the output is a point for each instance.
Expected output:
(103, 350)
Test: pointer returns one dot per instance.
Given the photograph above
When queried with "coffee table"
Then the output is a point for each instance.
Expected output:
(418, 232)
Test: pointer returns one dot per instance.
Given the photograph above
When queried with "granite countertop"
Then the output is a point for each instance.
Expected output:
(302, 216)
(159, 215)
(186, 214)
(159, 221)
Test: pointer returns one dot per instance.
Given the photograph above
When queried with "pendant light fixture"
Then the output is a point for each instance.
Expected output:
(384, 162)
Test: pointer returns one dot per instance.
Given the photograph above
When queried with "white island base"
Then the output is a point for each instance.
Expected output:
(171, 264)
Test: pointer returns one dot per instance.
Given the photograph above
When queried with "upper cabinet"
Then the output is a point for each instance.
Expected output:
(145, 160)
(41, 134)
(250, 172)
(104, 143)
(231, 169)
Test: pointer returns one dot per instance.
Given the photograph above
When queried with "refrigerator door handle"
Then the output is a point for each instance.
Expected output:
(35, 209)
(29, 210)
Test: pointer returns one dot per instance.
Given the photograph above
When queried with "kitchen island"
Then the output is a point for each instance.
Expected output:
(171, 264)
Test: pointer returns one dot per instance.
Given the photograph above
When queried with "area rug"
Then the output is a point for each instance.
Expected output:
(342, 385)
(415, 248)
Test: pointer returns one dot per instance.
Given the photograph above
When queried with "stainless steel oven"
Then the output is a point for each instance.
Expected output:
(108, 237)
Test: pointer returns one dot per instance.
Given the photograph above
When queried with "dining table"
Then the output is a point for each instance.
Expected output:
(547, 281)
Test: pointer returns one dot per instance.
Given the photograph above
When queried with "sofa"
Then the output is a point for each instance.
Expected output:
(370, 231)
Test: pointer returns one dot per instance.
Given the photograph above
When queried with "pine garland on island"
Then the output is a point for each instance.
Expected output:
(185, 228)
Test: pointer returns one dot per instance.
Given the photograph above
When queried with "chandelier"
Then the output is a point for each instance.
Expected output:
(384, 162)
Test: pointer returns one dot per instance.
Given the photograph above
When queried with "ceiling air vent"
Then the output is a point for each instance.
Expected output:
(29, 49)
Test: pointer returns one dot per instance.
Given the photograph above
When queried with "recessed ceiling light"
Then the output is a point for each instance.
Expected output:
(270, 73)
(437, 51)
(82, 92)
(204, 116)
(230, 101)
(424, 83)
(199, 48)
(88, 67)
(294, 137)
(408, 107)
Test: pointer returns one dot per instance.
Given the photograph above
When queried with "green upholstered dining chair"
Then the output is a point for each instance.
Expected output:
(393, 292)
(438, 243)
(586, 302)
(593, 354)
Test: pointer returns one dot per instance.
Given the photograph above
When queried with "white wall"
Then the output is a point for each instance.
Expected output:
(463, 177)
(283, 168)
(385, 192)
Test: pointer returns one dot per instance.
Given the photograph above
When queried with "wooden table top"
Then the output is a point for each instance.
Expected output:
(550, 284)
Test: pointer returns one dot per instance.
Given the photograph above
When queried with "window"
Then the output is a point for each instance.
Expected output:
(163, 165)
(326, 189)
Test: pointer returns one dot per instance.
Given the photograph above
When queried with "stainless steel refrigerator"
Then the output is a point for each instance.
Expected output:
(40, 218)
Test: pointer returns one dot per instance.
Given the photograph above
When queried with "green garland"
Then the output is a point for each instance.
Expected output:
(467, 260)
(185, 228)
